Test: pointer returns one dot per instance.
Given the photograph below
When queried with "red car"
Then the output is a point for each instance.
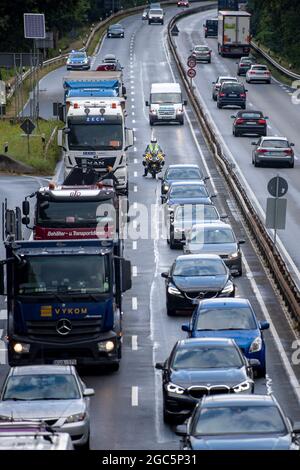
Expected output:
(183, 3)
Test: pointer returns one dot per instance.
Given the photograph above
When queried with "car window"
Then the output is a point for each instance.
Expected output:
(259, 67)
(206, 357)
(199, 267)
(156, 12)
(201, 48)
(250, 115)
(184, 173)
(195, 213)
(275, 143)
(244, 419)
(41, 387)
(187, 192)
(235, 87)
(229, 79)
(237, 318)
(213, 236)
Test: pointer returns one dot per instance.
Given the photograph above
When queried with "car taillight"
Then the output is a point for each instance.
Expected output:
(243, 65)
(243, 95)
(262, 150)
(240, 121)
(209, 52)
(268, 73)
(221, 94)
(288, 152)
(261, 121)
(252, 72)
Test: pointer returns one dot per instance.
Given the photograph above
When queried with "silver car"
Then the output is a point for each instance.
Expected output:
(217, 85)
(273, 150)
(218, 239)
(52, 394)
(258, 73)
(202, 54)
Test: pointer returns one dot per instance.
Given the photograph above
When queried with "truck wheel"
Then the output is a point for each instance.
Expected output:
(151, 122)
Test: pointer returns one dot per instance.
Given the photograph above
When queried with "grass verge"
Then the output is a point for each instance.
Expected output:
(37, 158)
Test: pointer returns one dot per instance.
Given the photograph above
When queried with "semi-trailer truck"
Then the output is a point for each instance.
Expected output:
(234, 33)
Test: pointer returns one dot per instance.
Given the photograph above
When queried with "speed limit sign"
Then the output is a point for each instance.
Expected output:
(191, 73)
(191, 62)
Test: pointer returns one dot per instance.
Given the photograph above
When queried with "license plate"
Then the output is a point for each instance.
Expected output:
(65, 362)
(232, 95)
(250, 123)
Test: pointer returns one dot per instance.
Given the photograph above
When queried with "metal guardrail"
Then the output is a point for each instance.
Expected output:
(272, 257)
(272, 61)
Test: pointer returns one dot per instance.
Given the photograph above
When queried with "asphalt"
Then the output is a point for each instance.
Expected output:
(126, 412)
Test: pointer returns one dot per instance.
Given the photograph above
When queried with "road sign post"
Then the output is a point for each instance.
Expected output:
(276, 207)
(28, 127)
(191, 73)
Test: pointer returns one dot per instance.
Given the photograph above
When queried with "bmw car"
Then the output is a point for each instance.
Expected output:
(115, 31)
(231, 318)
(199, 367)
(78, 60)
(195, 277)
(239, 422)
(180, 172)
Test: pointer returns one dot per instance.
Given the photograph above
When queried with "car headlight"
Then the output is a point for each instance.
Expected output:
(228, 288)
(170, 208)
(242, 387)
(179, 111)
(75, 418)
(234, 255)
(173, 388)
(256, 345)
(173, 290)
(166, 187)
(153, 111)
(178, 230)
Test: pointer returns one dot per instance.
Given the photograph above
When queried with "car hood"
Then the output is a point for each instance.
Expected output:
(195, 283)
(215, 248)
(259, 442)
(230, 377)
(194, 200)
(41, 409)
(243, 338)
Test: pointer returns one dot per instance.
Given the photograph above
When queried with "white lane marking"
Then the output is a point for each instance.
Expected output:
(134, 271)
(134, 303)
(135, 174)
(135, 189)
(134, 149)
(3, 314)
(132, 99)
(132, 113)
(285, 360)
(133, 121)
(135, 205)
(132, 106)
(3, 350)
(134, 245)
(134, 396)
(135, 161)
(132, 81)
(134, 224)
(134, 343)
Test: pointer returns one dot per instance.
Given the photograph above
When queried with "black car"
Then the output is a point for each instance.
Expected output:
(195, 277)
(211, 28)
(249, 122)
(232, 94)
(239, 422)
(202, 366)
(115, 31)
(244, 65)
(181, 172)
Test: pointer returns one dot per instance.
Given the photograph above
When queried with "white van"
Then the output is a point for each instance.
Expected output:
(166, 103)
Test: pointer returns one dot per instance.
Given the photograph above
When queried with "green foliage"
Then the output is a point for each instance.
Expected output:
(275, 23)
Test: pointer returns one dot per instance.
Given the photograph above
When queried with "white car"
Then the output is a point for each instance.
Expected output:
(217, 85)
(258, 73)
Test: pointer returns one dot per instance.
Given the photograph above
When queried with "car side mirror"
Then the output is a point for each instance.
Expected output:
(213, 83)
(88, 392)
(292, 145)
(223, 216)
(232, 116)
(165, 275)
(185, 103)
(147, 103)
(254, 362)
(264, 325)
(181, 430)
(159, 366)
(186, 327)
(206, 178)
(296, 427)
(241, 242)
(213, 196)
(246, 91)
(266, 117)
(253, 143)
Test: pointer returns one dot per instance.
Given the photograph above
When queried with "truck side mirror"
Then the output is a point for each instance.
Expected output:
(123, 90)
(2, 289)
(126, 274)
(129, 138)
(60, 138)
(25, 220)
(25, 207)
(61, 112)
(147, 103)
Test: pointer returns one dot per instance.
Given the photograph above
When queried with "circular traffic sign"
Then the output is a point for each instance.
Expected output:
(278, 186)
(191, 73)
(191, 62)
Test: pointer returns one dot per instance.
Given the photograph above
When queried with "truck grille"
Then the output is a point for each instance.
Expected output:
(80, 329)
(166, 111)
(100, 162)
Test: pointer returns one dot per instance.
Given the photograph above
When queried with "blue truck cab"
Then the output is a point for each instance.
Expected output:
(64, 301)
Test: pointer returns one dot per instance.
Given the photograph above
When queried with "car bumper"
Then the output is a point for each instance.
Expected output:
(231, 102)
(156, 20)
(79, 432)
(166, 118)
(78, 67)
(259, 130)
(266, 159)
(206, 58)
(119, 35)
(183, 304)
(178, 406)
(258, 79)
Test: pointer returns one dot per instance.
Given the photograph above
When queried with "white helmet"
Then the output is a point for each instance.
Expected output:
(153, 140)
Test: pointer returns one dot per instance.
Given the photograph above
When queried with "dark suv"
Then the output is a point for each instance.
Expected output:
(232, 94)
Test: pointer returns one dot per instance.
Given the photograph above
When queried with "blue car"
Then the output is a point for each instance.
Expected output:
(231, 318)
(78, 60)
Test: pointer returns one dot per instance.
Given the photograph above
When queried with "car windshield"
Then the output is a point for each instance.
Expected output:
(184, 174)
(77, 55)
(166, 98)
(186, 192)
(156, 12)
(213, 236)
(116, 26)
(281, 144)
(41, 387)
(201, 48)
(199, 267)
(234, 87)
(195, 213)
(40, 275)
(206, 357)
(250, 115)
(235, 318)
(237, 420)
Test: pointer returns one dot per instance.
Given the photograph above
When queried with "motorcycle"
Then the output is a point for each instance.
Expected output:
(154, 162)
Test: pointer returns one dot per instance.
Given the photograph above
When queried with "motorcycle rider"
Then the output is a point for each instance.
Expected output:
(151, 148)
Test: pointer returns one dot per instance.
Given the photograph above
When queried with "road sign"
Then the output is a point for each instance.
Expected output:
(175, 30)
(191, 73)
(34, 26)
(278, 186)
(191, 62)
(27, 126)
(276, 213)
(47, 43)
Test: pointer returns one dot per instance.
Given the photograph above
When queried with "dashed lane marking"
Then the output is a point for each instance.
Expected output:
(134, 303)
(134, 396)
(134, 343)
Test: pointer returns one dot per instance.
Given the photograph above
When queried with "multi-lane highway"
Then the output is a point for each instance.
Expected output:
(126, 412)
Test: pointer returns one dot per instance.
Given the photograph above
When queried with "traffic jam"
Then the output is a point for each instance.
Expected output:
(67, 272)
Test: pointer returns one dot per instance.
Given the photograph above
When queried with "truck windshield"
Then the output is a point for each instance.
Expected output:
(70, 213)
(64, 273)
(99, 136)
(166, 98)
